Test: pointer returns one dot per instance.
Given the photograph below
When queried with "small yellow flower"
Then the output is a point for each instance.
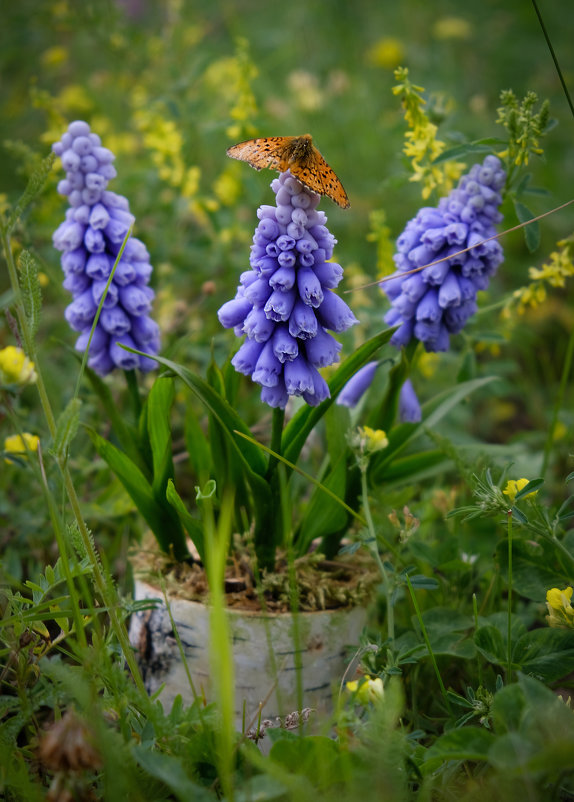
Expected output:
(388, 53)
(514, 486)
(368, 690)
(15, 367)
(54, 56)
(375, 439)
(452, 28)
(19, 445)
(560, 610)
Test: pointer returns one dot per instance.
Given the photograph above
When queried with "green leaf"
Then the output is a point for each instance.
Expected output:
(412, 466)
(66, 428)
(304, 421)
(33, 189)
(466, 743)
(547, 654)
(30, 290)
(126, 434)
(447, 631)
(160, 517)
(535, 568)
(422, 582)
(192, 525)
(169, 770)
(246, 454)
(260, 788)
(532, 231)
(532, 485)
(316, 757)
(323, 516)
(159, 405)
(197, 446)
(490, 643)
(479, 146)
(223, 412)
(433, 411)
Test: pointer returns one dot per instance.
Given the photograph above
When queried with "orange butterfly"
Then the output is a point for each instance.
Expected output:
(295, 153)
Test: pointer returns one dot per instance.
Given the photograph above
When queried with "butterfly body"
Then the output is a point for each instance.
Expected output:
(297, 154)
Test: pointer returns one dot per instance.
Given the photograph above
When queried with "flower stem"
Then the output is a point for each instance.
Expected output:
(377, 556)
(559, 400)
(134, 393)
(509, 631)
(428, 644)
(276, 435)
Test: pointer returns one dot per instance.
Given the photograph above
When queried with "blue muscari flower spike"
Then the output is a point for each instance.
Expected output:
(90, 239)
(285, 303)
(437, 301)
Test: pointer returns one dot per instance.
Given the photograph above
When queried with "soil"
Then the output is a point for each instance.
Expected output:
(310, 583)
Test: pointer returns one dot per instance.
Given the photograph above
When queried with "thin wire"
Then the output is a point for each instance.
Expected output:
(402, 274)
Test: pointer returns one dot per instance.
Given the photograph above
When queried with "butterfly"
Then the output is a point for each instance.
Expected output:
(295, 153)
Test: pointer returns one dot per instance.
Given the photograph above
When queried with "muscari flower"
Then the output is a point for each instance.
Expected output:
(357, 385)
(15, 367)
(90, 239)
(435, 302)
(409, 407)
(285, 304)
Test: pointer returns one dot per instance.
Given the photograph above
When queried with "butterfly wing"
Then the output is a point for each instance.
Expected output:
(316, 174)
(262, 152)
(297, 154)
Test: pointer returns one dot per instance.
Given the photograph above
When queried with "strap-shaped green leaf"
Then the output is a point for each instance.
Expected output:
(160, 517)
(159, 405)
(302, 423)
(433, 411)
(224, 412)
(192, 525)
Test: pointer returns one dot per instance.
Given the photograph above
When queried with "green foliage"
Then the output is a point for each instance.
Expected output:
(30, 290)
(475, 668)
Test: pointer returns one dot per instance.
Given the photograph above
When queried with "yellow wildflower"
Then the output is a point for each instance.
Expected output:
(421, 143)
(54, 56)
(553, 273)
(375, 439)
(306, 91)
(368, 690)
(388, 53)
(514, 486)
(451, 28)
(20, 445)
(560, 610)
(15, 367)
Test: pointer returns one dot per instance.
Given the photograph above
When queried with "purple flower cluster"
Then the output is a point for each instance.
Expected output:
(436, 302)
(90, 239)
(285, 303)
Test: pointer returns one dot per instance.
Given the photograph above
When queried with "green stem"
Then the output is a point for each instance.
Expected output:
(559, 400)
(509, 629)
(134, 393)
(562, 548)
(276, 435)
(428, 645)
(107, 592)
(29, 344)
(475, 614)
(377, 556)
